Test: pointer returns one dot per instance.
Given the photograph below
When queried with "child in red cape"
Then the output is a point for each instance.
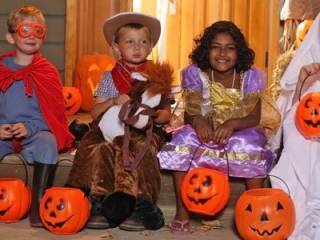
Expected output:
(32, 113)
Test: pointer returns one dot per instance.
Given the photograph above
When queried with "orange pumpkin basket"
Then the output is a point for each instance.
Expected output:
(265, 214)
(205, 191)
(307, 116)
(15, 197)
(64, 210)
(72, 100)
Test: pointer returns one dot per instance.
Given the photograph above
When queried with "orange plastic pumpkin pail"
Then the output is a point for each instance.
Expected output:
(205, 191)
(72, 100)
(15, 198)
(264, 214)
(64, 210)
(307, 116)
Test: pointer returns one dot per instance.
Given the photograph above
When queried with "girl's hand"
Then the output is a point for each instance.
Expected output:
(19, 130)
(5, 131)
(222, 134)
(121, 99)
(203, 130)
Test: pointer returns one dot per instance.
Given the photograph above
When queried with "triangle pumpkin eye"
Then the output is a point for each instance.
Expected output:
(279, 206)
(249, 208)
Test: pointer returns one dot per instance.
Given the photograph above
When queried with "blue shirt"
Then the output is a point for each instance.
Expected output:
(106, 87)
(16, 106)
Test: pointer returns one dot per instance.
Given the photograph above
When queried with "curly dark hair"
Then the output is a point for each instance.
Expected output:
(200, 54)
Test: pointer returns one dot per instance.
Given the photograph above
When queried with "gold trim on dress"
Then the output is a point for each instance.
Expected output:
(201, 152)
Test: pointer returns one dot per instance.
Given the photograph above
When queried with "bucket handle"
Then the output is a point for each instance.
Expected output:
(21, 158)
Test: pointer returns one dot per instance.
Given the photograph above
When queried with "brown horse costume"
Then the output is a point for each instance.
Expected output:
(99, 165)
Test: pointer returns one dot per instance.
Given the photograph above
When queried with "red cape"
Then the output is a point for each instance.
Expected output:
(44, 78)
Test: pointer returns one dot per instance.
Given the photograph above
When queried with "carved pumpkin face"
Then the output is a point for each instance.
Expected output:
(302, 30)
(64, 210)
(88, 74)
(205, 191)
(15, 199)
(72, 100)
(264, 213)
(308, 116)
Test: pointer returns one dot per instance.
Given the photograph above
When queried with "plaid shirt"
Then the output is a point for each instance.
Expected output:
(106, 87)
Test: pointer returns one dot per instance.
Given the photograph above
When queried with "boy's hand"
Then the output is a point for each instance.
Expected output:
(121, 99)
(163, 116)
(222, 134)
(19, 130)
(5, 131)
(203, 130)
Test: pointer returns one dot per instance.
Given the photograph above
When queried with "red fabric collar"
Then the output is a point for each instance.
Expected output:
(121, 75)
(45, 79)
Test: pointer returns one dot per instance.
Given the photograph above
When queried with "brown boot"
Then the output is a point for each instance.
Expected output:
(97, 220)
(43, 176)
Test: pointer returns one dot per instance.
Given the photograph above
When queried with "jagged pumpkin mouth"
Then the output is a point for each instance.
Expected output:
(265, 232)
(311, 123)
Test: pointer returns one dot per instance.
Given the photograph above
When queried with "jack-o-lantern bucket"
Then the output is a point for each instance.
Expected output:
(205, 191)
(64, 210)
(15, 198)
(308, 116)
(88, 74)
(265, 214)
(72, 100)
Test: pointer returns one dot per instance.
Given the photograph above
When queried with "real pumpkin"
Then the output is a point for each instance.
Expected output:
(88, 73)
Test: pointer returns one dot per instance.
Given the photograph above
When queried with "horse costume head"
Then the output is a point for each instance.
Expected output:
(149, 88)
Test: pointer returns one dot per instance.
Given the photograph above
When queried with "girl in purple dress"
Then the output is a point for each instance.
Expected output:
(223, 100)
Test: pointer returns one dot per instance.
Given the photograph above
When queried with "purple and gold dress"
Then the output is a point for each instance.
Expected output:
(245, 155)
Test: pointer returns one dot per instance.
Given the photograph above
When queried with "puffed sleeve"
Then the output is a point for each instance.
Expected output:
(191, 78)
(192, 90)
(254, 81)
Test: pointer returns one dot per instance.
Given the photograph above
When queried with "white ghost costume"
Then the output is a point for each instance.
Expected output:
(299, 163)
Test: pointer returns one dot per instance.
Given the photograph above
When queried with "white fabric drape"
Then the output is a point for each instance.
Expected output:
(299, 164)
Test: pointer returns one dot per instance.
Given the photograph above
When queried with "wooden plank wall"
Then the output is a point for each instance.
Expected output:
(54, 44)
(84, 34)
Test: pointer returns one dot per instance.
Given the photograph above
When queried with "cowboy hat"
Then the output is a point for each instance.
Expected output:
(112, 24)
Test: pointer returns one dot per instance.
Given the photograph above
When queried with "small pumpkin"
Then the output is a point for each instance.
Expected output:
(15, 199)
(88, 74)
(264, 213)
(64, 210)
(72, 100)
(205, 191)
(307, 117)
(301, 32)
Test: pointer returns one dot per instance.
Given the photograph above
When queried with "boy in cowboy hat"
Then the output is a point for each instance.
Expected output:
(120, 196)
